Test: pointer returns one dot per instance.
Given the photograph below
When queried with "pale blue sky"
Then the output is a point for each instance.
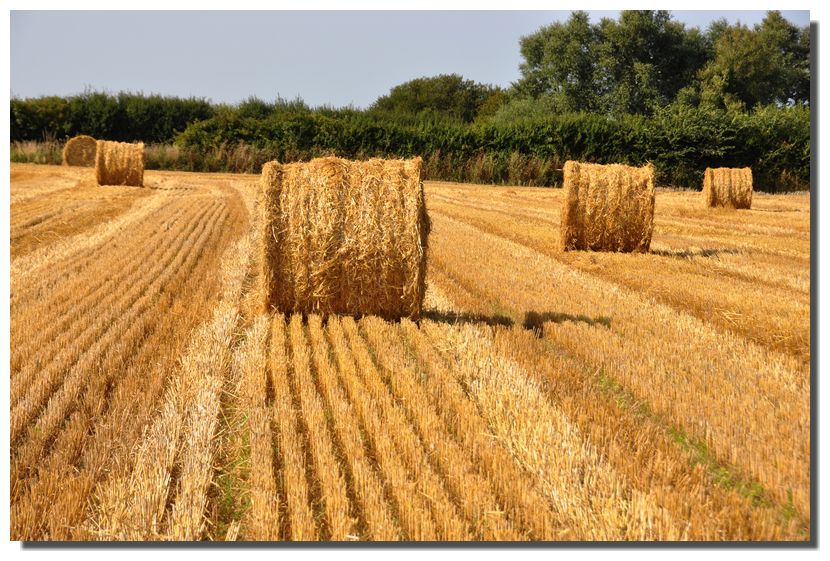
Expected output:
(334, 58)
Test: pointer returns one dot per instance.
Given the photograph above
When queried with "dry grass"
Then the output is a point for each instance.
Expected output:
(763, 256)
(251, 364)
(729, 187)
(367, 487)
(80, 151)
(713, 382)
(607, 207)
(337, 520)
(95, 365)
(344, 237)
(41, 221)
(119, 163)
(541, 396)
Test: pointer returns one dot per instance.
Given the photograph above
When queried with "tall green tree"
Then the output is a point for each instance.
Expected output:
(767, 64)
(630, 65)
(560, 62)
(646, 57)
(445, 95)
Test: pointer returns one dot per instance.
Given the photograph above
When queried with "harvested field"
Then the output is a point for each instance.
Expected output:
(543, 395)
(42, 220)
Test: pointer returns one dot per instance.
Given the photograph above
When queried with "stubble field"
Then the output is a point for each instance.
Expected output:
(544, 396)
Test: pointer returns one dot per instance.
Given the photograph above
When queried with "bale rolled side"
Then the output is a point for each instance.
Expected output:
(607, 207)
(80, 151)
(344, 237)
(119, 163)
(728, 187)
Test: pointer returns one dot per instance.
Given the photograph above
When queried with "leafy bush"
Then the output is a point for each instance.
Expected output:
(125, 117)
(523, 142)
(681, 141)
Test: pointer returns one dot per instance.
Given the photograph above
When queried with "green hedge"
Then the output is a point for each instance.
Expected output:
(126, 117)
(681, 141)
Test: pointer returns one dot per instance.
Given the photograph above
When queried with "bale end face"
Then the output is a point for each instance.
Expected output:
(119, 163)
(607, 207)
(80, 151)
(728, 187)
(343, 237)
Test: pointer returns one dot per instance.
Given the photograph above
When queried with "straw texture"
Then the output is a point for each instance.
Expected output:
(79, 151)
(119, 163)
(728, 187)
(607, 207)
(344, 237)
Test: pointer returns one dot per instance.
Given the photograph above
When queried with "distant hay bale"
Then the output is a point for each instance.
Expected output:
(607, 207)
(343, 237)
(728, 187)
(119, 163)
(79, 151)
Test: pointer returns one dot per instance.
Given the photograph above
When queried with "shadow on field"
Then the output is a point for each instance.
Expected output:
(698, 252)
(162, 187)
(535, 321)
(780, 210)
(453, 317)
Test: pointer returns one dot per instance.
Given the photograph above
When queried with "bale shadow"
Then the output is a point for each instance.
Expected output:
(698, 252)
(160, 187)
(464, 317)
(535, 321)
(779, 210)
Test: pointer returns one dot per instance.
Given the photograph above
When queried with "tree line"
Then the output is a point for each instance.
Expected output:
(642, 87)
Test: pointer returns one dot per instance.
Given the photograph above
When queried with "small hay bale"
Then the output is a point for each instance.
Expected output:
(607, 207)
(79, 151)
(728, 187)
(119, 163)
(343, 237)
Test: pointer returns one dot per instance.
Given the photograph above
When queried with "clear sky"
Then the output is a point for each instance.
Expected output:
(333, 58)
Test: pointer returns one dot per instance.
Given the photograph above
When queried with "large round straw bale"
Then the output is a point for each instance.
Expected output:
(607, 207)
(119, 163)
(79, 151)
(344, 237)
(728, 187)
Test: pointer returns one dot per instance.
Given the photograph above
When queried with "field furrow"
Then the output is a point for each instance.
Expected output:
(339, 523)
(715, 385)
(377, 517)
(73, 362)
(773, 316)
(163, 493)
(516, 490)
(468, 487)
(37, 337)
(251, 363)
(64, 213)
(50, 262)
(101, 401)
(542, 395)
(369, 387)
(411, 503)
(293, 465)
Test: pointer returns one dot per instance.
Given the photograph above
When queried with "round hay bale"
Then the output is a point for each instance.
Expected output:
(119, 163)
(607, 207)
(727, 187)
(344, 237)
(79, 151)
